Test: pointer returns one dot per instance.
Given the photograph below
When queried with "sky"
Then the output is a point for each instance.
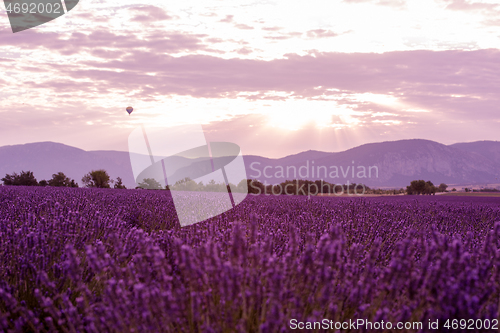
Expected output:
(275, 77)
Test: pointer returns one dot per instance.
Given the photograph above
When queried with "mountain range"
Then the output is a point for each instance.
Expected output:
(383, 164)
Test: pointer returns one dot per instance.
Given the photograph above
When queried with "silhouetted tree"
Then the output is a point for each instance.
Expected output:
(119, 184)
(255, 187)
(421, 187)
(43, 182)
(97, 178)
(429, 188)
(26, 178)
(60, 180)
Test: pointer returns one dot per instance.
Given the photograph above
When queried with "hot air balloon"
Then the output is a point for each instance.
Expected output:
(129, 110)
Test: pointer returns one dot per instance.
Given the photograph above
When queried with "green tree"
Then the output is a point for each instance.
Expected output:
(9, 179)
(43, 182)
(25, 178)
(97, 178)
(60, 180)
(150, 184)
(421, 187)
(119, 184)
(255, 187)
(442, 187)
(429, 188)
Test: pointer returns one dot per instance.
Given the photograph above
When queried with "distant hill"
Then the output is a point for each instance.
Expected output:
(393, 163)
(487, 149)
(397, 162)
(47, 158)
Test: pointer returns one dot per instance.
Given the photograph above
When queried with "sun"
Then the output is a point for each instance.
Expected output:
(295, 114)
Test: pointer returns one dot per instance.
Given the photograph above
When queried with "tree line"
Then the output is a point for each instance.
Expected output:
(305, 187)
(187, 184)
(101, 179)
(425, 187)
(95, 178)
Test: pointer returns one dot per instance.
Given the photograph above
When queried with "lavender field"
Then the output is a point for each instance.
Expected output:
(92, 260)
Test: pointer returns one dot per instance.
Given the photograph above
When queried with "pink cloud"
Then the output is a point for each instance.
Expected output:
(244, 51)
(321, 33)
(208, 14)
(32, 69)
(489, 10)
(469, 6)
(389, 3)
(159, 41)
(423, 79)
(227, 19)
(423, 73)
(271, 28)
(243, 26)
(149, 13)
(94, 18)
(284, 36)
(230, 19)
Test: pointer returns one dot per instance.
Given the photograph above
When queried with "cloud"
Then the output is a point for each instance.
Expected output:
(452, 85)
(227, 19)
(284, 36)
(464, 5)
(149, 13)
(208, 14)
(244, 51)
(491, 11)
(271, 28)
(230, 19)
(243, 26)
(447, 71)
(449, 83)
(96, 41)
(389, 3)
(321, 33)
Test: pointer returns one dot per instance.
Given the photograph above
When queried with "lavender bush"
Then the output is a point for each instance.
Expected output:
(91, 260)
